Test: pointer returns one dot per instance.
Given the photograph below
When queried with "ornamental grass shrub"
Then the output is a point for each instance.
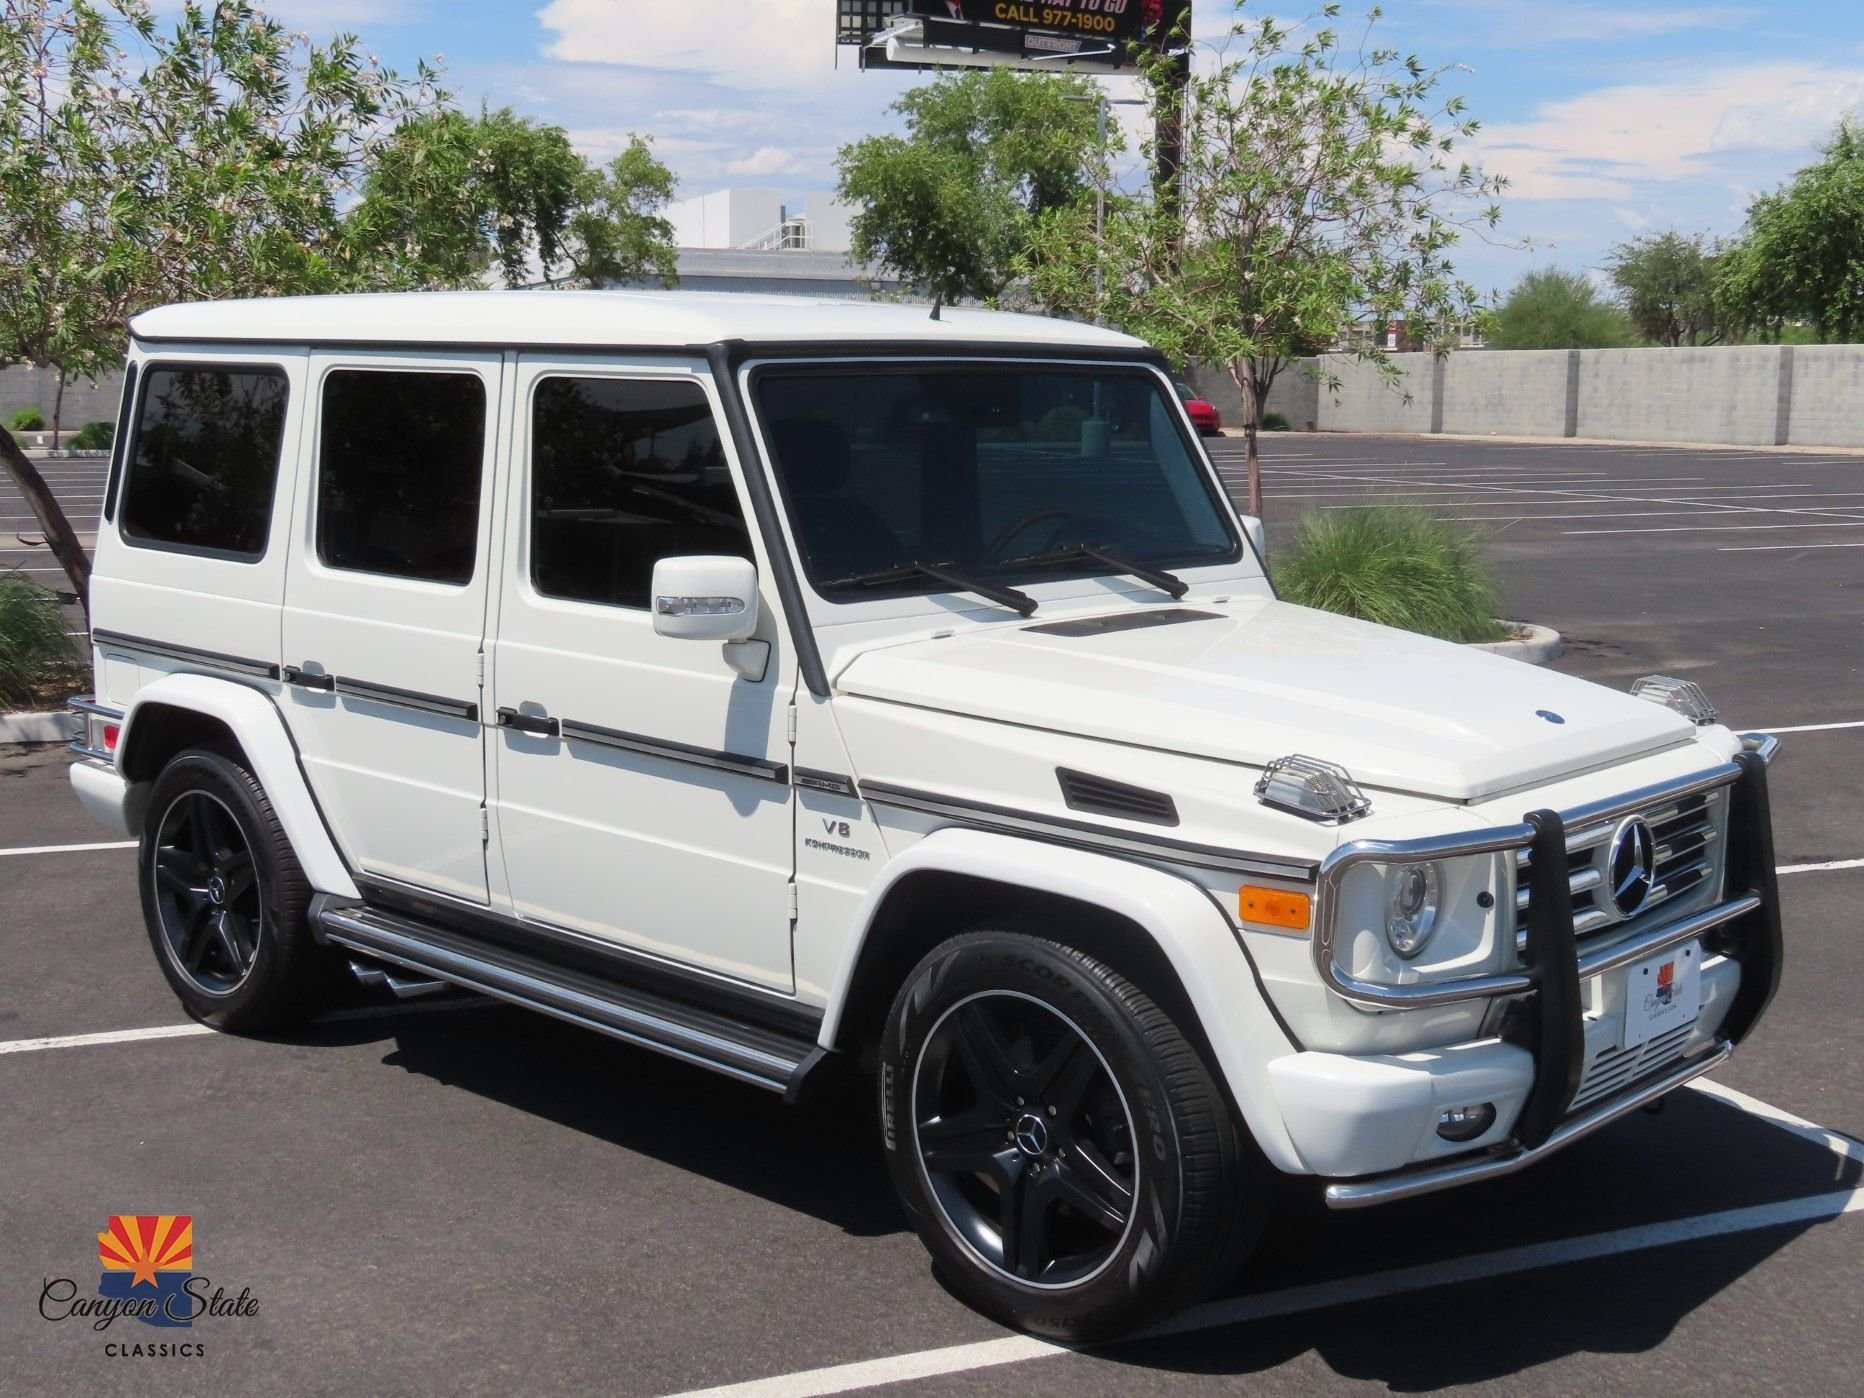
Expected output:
(35, 653)
(93, 436)
(1395, 565)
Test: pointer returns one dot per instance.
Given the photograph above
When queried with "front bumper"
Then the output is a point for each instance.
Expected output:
(1374, 1118)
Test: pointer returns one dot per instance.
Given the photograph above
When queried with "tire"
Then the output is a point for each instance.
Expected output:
(224, 899)
(1122, 1148)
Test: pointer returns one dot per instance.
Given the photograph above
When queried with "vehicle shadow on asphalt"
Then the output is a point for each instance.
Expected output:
(820, 1158)
(1698, 1157)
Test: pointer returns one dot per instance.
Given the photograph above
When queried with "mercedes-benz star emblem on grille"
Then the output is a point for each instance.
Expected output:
(1632, 867)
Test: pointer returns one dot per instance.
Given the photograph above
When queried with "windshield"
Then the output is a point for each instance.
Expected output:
(984, 471)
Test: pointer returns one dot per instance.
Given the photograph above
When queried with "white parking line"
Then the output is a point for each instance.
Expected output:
(1817, 727)
(108, 1036)
(1782, 548)
(1826, 867)
(1855, 523)
(66, 849)
(1016, 1349)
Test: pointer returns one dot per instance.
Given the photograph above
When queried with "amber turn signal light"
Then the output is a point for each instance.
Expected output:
(1273, 907)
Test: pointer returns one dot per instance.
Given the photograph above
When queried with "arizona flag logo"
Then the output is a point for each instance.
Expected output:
(149, 1257)
(1666, 981)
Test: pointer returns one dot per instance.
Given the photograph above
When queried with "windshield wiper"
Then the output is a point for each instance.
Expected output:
(1073, 553)
(1020, 602)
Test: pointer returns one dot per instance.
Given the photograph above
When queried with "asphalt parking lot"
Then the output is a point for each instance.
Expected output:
(452, 1197)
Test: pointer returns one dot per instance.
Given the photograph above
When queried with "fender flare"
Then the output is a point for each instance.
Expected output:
(259, 729)
(1183, 920)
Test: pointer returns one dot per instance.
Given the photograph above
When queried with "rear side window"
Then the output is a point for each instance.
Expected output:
(204, 467)
(624, 473)
(400, 461)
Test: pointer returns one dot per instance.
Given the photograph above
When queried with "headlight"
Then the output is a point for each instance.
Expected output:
(1413, 897)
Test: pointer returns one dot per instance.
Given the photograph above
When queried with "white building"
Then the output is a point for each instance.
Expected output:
(753, 240)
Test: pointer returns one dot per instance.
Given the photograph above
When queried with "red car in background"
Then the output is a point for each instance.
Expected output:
(1204, 415)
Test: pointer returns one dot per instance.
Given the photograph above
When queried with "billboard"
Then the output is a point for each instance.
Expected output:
(1005, 33)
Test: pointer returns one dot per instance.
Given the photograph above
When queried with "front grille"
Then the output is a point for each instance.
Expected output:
(1618, 1068)
(1686, 850)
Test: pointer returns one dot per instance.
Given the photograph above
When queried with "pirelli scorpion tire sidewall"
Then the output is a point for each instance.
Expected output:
(1198, 1183)
(286, 976)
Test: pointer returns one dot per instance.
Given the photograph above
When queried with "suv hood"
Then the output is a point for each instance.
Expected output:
(1256, 679)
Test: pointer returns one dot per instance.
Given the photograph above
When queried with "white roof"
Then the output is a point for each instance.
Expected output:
(672, 319)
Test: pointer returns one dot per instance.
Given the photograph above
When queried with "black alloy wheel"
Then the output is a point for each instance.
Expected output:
(1062, 1149)
(207, 893)
(225, 900)
(1025, 1139)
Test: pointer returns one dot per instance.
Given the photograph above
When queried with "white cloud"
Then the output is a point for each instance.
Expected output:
(1614, 142)
(765, 44)
(766, 160)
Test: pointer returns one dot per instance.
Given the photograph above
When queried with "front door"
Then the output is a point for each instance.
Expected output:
(641, 786)
(385, 600)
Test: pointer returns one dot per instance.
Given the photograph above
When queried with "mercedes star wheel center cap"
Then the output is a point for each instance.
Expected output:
(1031, 1134)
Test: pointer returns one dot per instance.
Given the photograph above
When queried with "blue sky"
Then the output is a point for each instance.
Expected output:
(1610, 117)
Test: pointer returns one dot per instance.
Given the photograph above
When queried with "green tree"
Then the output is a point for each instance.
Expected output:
(1320, 183)
(139, 166)
(616, 233)
(952, 207)
(1801, 259)
(1667, 281)
(1556, 309)
(449, 195)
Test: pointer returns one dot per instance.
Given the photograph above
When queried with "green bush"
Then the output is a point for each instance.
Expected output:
(1395, 565)
(93, 436)
(35, 652)
(1274, 422)
(28, 420)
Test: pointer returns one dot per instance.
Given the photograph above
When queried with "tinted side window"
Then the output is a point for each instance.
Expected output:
(623, 474)
(206, 460)
(399, 464)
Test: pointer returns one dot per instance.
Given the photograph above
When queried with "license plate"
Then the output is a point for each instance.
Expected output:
(1662, 994)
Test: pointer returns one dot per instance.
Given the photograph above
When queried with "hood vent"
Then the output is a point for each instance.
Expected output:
(1122, 621)
(1099, 796)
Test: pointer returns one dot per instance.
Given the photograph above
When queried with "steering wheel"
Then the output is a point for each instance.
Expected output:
(998, 547)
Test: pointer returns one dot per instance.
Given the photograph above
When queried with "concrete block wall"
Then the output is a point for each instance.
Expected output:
(22, 386)
(1365, 401)
(1724, 394)
(1521, 393)
(1825, 400)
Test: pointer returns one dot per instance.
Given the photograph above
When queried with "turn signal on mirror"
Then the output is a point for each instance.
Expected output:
(1273, 907)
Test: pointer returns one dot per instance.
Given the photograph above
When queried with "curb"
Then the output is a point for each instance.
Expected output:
(1541, 644)
(38, 728)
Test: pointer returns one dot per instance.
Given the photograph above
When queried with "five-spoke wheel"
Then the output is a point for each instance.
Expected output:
(1025, 1139)
(225, 900)
(207, 892)
(1061, 1148)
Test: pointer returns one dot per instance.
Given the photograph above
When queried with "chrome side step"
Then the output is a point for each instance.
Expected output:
(751, 1053)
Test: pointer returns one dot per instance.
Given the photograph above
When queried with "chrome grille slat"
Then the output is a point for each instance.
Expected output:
(1684, 833)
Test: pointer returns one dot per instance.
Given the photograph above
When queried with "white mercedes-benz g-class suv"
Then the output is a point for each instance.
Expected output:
(777, 684)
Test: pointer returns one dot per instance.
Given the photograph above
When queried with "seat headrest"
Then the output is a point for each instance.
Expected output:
(814, 455)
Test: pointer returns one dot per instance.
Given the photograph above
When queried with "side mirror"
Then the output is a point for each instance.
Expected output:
(1258, 536)
(705, 597)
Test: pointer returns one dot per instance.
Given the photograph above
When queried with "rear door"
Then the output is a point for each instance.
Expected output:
(642, 791)
(385, 603)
